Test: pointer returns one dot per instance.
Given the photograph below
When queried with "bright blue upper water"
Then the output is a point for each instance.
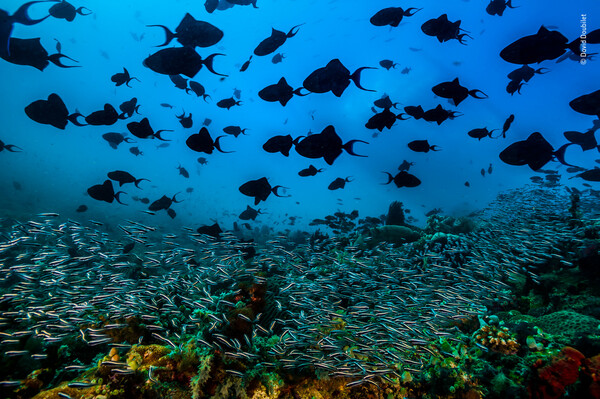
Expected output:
(57, 167)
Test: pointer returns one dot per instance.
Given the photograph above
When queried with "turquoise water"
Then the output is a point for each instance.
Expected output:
(57, 167)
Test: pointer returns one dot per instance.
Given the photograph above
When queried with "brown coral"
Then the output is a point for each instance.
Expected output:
(497, 339)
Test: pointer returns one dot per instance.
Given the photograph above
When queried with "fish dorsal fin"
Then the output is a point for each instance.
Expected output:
(542, 30)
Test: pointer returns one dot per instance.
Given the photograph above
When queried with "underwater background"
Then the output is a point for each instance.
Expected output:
(479, 280)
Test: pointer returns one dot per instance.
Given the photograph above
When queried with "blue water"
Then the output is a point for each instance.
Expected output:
(57, 167)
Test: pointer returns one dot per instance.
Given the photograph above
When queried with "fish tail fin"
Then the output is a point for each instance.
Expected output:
(56, 60)
(204, 97)
(541, 71)
(169, 35)
(349, 147)
(138, 181)
(356, 78)
(11, 148)
(22, 17)
(435, 148)
(117, 197)
(274, 191)
(411, 11)
(81, 11)
(73, 119)
(475, 93)
(560, 154)
(208, 63)
(390, 178)
(492, 131)
(298, 92)
(158, 136)
(174, 199)
(509, 4)
(291, 33)
(218, 145)
(297, 140)
(401, 117)
(128, 140)
(461, 37)
(129, 80)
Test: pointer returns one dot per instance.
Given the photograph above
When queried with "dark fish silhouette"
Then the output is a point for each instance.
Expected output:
(143, 130)
(422, 146)
(228, 103)
(277, 58)
(589, 175)
(81, 208)
(480, 133)
(179, 61)
(66, 11)
(327, 145)
(587, 141)
(403, 179)
(52, 111)
(31, 52)
(249, 213)
(439, 115)
(237, 93)
(411, 110)
(525, 73)
(514, 86)
(392, 16)
(186, 121)
(334, 77)
(128, 108)
(443, 29)
(9, 147)
(453, 90)
(165, 105)
(104, 117)
(281, 91)
(259, 189)
(507, 124)
(310, 171)
(180, 82)
(534, 152)
(243, 2)
(202, 161)
(121, 78)
(198, 89)
(211, 5)
(379, 121)
(405, 165)
(384, 102)
(7, 22)
(192, 33)
(339, 183)
(245, 65)
(135, 151)
(114, 139)
(234, 130)
(588, 104)
(497, 7)
(203, 142)
(544, 45)
(282, 144)
(105, 192)
(183, 172)
(212, 230)
(273, 42)
(124, 177)
(163, 202)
